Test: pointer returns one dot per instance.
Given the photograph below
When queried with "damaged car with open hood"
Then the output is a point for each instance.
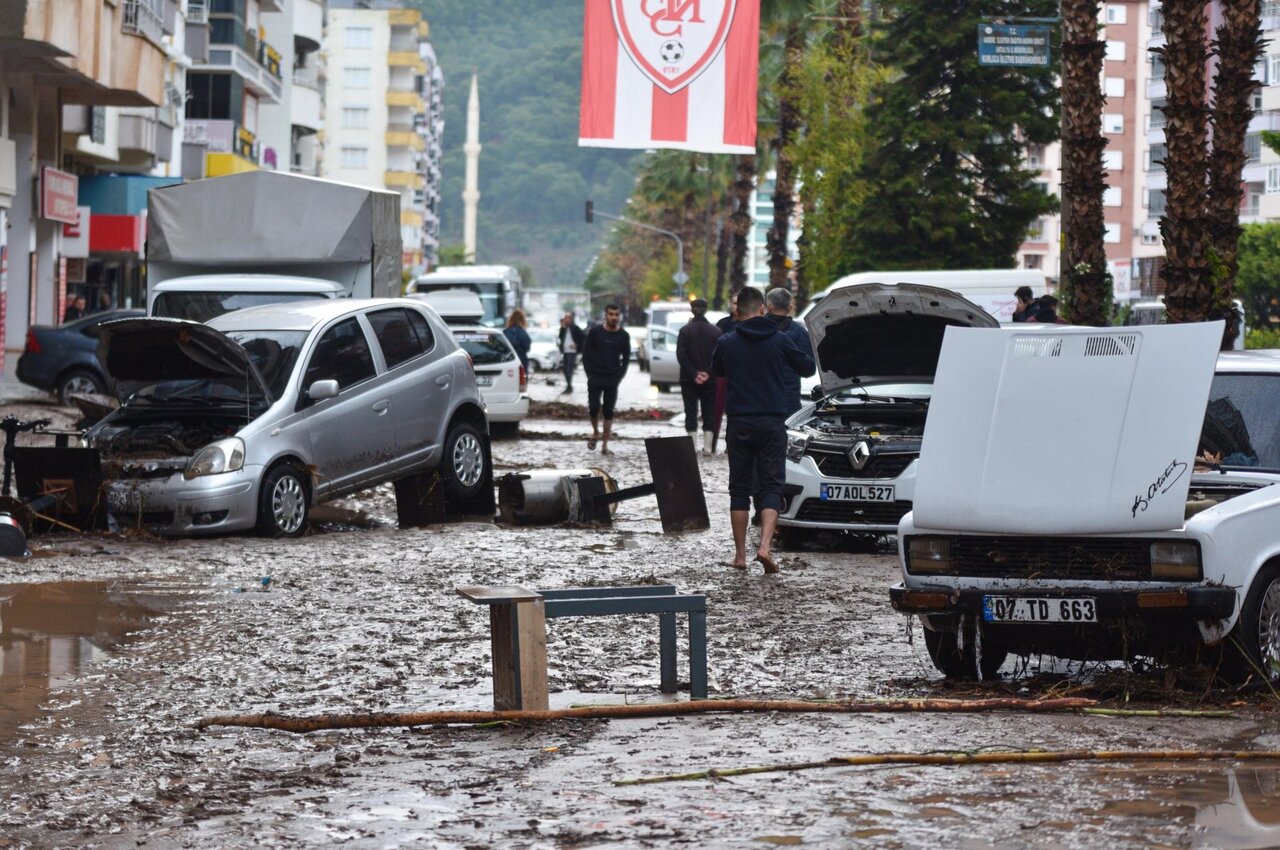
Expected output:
(247, 421)
(851, 451)
(1098, 494)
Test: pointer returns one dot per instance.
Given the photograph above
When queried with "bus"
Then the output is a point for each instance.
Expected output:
(499, 288)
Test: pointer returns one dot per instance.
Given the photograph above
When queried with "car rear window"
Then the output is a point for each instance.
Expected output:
(203, 306)
(485, 348)
(396, 336)
(1242, 422)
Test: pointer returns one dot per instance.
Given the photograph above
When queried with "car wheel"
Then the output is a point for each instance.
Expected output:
(78, 382)
(664, 388)
(463, 468)
(965, 662)
(1253, 646)
(283, 502)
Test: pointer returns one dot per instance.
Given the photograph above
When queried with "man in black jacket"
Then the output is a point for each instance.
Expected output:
(778, 304)
(694, 346)
(755, 358)
(605, 356)
(571, 339)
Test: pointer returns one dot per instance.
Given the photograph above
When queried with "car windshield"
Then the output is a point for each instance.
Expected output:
(1242, 421)
(485, 347)
(274, 353)
(203, 306)
(544, 335)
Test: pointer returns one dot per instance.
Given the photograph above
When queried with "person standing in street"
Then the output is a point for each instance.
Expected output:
(605, 356)
(1028, 307)
(571, 339)
(519, 337)
(694, 346)
(778, 304)
(75, 310)
(755, 358)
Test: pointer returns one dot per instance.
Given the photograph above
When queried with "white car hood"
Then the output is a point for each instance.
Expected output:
(885, 332)
(1060, 430)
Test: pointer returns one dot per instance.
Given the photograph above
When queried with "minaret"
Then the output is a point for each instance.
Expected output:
(471, 191)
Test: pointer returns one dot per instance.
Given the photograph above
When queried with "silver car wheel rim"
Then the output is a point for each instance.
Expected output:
(468, 460)
(288, 504)
(1269, 630)
(80, 385)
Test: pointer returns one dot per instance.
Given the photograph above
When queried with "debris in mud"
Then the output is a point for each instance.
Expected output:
(566, 410)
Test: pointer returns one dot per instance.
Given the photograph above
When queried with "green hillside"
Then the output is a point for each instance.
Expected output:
(533, 175)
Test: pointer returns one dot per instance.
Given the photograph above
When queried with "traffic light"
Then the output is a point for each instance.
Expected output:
(590, 212)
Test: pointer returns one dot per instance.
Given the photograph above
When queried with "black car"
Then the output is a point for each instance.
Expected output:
(63, 359)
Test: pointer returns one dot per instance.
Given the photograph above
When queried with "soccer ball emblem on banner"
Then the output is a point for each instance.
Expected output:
(672, 41)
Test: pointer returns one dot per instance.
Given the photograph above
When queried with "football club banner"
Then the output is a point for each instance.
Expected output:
(670, 74)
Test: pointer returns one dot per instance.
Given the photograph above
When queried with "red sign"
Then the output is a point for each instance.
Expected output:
(673, 41)
(116, 233)
(58, 195)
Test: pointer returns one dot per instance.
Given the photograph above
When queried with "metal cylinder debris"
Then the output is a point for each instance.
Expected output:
(544, 496)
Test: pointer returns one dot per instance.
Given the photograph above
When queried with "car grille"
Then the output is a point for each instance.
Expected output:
(835, 464)
(853, 513)
(1051, 558)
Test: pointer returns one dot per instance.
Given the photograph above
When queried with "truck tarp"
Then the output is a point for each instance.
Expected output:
(269, 222)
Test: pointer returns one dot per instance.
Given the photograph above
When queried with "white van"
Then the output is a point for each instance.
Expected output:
(1153, 313)
(990, 289)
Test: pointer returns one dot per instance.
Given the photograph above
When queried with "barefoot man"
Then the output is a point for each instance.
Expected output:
(605, 355)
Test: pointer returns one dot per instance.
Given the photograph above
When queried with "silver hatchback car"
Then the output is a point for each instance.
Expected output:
(247, 421)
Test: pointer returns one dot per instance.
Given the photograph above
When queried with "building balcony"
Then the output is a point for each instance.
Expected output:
(144, 18)
(1157, 88)
(308, 23)
(404, 139)
(1270, 97)
(407, 59)
(410, 99)
(1264, 121)
(306, 108)
(1254, 172)
(410, 218)
(404, 17)
(403, 180)
(1156, 180)
(257, 78)
(144, 134)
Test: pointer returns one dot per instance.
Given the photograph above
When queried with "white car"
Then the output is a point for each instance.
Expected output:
(660, 349)
(1101, 494)
(544, 349)
(851, 453)
(502, 380)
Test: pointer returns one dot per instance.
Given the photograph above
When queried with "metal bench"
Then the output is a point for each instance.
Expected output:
(517, 621)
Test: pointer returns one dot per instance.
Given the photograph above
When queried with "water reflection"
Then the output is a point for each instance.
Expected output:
(49, 634)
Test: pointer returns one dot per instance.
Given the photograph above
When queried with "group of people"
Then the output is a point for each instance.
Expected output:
(78, 307)
(1031, 309)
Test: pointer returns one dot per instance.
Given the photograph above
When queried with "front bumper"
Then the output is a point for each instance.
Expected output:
(210, 504)
(1195, 603)
(804, 506)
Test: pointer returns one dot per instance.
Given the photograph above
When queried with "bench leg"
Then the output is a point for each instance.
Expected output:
(697, 654)
(503, 647)
(667, 646)
(518, 639)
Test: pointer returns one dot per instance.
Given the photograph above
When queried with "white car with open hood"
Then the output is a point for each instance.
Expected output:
(851, 453)
(1100, 494)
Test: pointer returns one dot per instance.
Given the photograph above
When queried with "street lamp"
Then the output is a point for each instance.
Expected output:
(679, 277)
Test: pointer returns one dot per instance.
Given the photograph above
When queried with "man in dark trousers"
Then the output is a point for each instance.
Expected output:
(778, 304)
(571, 339)
(755, 358)
(605, 355)
(694, 346)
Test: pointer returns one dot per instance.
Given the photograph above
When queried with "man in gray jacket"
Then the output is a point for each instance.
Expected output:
(694, 346)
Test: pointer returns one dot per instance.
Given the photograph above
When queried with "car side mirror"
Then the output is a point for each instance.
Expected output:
(320, 390)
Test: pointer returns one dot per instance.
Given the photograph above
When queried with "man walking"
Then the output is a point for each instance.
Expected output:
(605, 356)
(755, 359)
(571, 339)
(779, 306)
(694, 346)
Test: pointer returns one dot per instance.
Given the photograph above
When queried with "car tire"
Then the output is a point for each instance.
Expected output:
(663, 388)
(956, 662)
(1253, 646)
(283, 501)
(504, 430)
(80, 381)
(463, 468)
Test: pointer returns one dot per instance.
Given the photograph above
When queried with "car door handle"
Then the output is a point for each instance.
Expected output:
(443, 381)
(381, 407)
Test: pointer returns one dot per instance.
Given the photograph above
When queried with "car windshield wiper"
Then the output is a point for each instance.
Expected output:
(197, 401)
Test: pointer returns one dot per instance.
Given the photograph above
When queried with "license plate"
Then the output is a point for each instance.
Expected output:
(484, 380)
(856, 492)
(1022, 609)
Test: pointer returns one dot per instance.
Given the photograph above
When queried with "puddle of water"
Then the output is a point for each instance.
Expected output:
(1231, 807)
(50, 633)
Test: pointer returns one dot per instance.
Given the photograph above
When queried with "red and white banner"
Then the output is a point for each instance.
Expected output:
(670, 74)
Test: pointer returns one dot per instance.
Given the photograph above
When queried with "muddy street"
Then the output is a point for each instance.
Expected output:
(114, 645)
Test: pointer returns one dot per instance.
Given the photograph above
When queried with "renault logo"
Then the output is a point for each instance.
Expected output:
(859, 455)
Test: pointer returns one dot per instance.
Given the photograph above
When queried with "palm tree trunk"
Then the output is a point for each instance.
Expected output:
(1086, 288)
(848, 26)
(784, 180)
(1184, 226)
(803, 244)
(744, 185)
(1239, 45)
(724, 240)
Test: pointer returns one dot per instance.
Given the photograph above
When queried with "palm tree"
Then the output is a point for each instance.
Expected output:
(789, 17)
(1084, 273)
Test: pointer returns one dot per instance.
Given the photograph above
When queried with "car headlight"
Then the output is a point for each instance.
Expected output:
(928, 555)
(796, 444)
(1175, 561)
(223, 456)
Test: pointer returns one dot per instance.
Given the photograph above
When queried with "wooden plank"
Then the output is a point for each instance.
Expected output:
(677, 481)
(497, 594)
(531, 631)
(502, 638)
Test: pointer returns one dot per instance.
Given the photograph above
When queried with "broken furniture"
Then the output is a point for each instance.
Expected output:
(518, 633)
(550, 496)
(57, 479)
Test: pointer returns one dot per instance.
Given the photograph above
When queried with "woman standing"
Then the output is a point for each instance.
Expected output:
(518, 337)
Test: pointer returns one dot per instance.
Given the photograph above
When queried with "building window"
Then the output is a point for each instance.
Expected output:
(1151, 239)
(1253, 147)
(1273, 179)
(1112, 123)
(1111, 234)
(356, 77)
(1115, 51)
(1273, 70)
(1113, 160)
(1155, 202)
(353, 157)
(1157, 68)
(1035, 156)
(1112, 196)
(1035, 233)
(1032, 261)
(1155, 157)
(1116, 14)
(358, 38)
(98, 124)
(355, 117)
(1113, 86)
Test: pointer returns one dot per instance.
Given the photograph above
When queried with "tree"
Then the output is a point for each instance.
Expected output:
(787, 16)
(948, 139)
(1085, 283)
(1258, 283)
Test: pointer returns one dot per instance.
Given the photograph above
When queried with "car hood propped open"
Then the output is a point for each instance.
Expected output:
(881, 332)
(143, 351)
(1059, 430)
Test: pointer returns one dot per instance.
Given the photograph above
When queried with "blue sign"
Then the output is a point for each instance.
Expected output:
(1012, 45)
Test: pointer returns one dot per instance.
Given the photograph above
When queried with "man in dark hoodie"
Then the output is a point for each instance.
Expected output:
(756, 358)
(694, 345)
(605, 354)
(778, 304)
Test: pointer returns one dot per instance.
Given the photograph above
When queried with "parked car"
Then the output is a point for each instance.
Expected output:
(248, 421)
(544, 349)
(502, 380)
(660, 349)
(851, 452)
(63, 359)
(1101, 494)
(638, 352)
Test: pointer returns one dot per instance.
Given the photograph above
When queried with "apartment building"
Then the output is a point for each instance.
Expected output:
(761, 222)
(383, 113)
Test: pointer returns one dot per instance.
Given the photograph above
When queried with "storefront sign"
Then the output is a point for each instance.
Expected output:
(1013, 46)
(58, 195)
(117, 234)
(75, 237)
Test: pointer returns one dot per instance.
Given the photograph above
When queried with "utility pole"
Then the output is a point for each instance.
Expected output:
(679, 277)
